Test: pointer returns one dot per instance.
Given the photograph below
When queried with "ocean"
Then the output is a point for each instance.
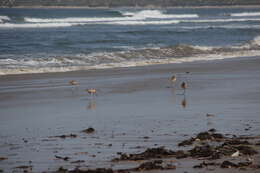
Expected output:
(57, 40)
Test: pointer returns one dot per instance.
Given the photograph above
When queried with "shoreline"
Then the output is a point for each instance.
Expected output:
(212, 63)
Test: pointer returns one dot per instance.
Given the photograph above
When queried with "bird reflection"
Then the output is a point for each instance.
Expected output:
(91, 105)
(184, 103)
(173, 80)
(184, 87)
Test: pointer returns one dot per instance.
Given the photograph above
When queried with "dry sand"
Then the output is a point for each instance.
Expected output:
(135, 108)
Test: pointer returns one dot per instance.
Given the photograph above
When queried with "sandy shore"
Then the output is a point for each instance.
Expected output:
(135, 108)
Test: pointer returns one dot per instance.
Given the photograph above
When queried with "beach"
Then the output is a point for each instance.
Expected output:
(135, 108)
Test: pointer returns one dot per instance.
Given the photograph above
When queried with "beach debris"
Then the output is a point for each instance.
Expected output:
(73, 82)
(224, 164)
(81, 153)
(88, 130)
(202, 151)
(62, 158)
(184, 86)
(3, 158)
(208, 135)
(78, 161)
(221, 146)
(186, 142)
(184, 103)
(212, 130)
(205, 164)
(65, 136)
(236, 154)
(25, 168)
(257, 143)
(150, 153)
(77, 170)
(228, 164)
(210, 115)
(145, 166)
(180, 154)
(91, 91)
(154, 165)
(236, 142)
(246, 150)
(24, 140)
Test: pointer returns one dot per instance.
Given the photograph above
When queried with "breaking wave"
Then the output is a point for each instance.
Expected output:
(4, 19)
(137, 57)
(156, 14)
(50, 23)
(38, 25)
(221, 20)
(126, 16)
(245, 14)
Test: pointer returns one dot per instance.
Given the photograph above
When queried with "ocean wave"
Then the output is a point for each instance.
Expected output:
(245, 14)
(56, 25)
(136, 57)
(221, 20)
(4, 19)
(161, 22)
(131, 63)
(75, 19)
(140, 22)
(126, 16)
(157, 14)
(38, 25)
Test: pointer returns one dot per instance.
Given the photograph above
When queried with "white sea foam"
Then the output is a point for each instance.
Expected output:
(129, 16)
(221, 20)
(53, 25)
(75, 19)
(256, 41)
(38, 25)
(139, 57)
(245, 14)
(140, 22)
(4, 19)
(131, 63)
(161, 22)
(156, 14)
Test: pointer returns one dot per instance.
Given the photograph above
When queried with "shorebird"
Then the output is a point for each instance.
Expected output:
(73, 82)
(92, 91)
(173, 79)
(184, 103)
(184, 86)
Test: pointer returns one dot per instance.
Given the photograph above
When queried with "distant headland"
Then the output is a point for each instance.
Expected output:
(125, 3)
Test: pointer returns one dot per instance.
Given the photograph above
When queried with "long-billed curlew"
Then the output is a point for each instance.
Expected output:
(173, 79)
(184, 86)
(92, 91)
(73, 82)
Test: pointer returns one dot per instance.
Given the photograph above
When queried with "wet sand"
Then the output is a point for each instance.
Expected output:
(135, 108)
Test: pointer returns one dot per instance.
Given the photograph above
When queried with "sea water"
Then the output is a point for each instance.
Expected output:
(56, 40)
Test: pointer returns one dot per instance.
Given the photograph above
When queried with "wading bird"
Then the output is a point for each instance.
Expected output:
(73, 82)
(173, 79)
(184, 86)
(92, 91)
